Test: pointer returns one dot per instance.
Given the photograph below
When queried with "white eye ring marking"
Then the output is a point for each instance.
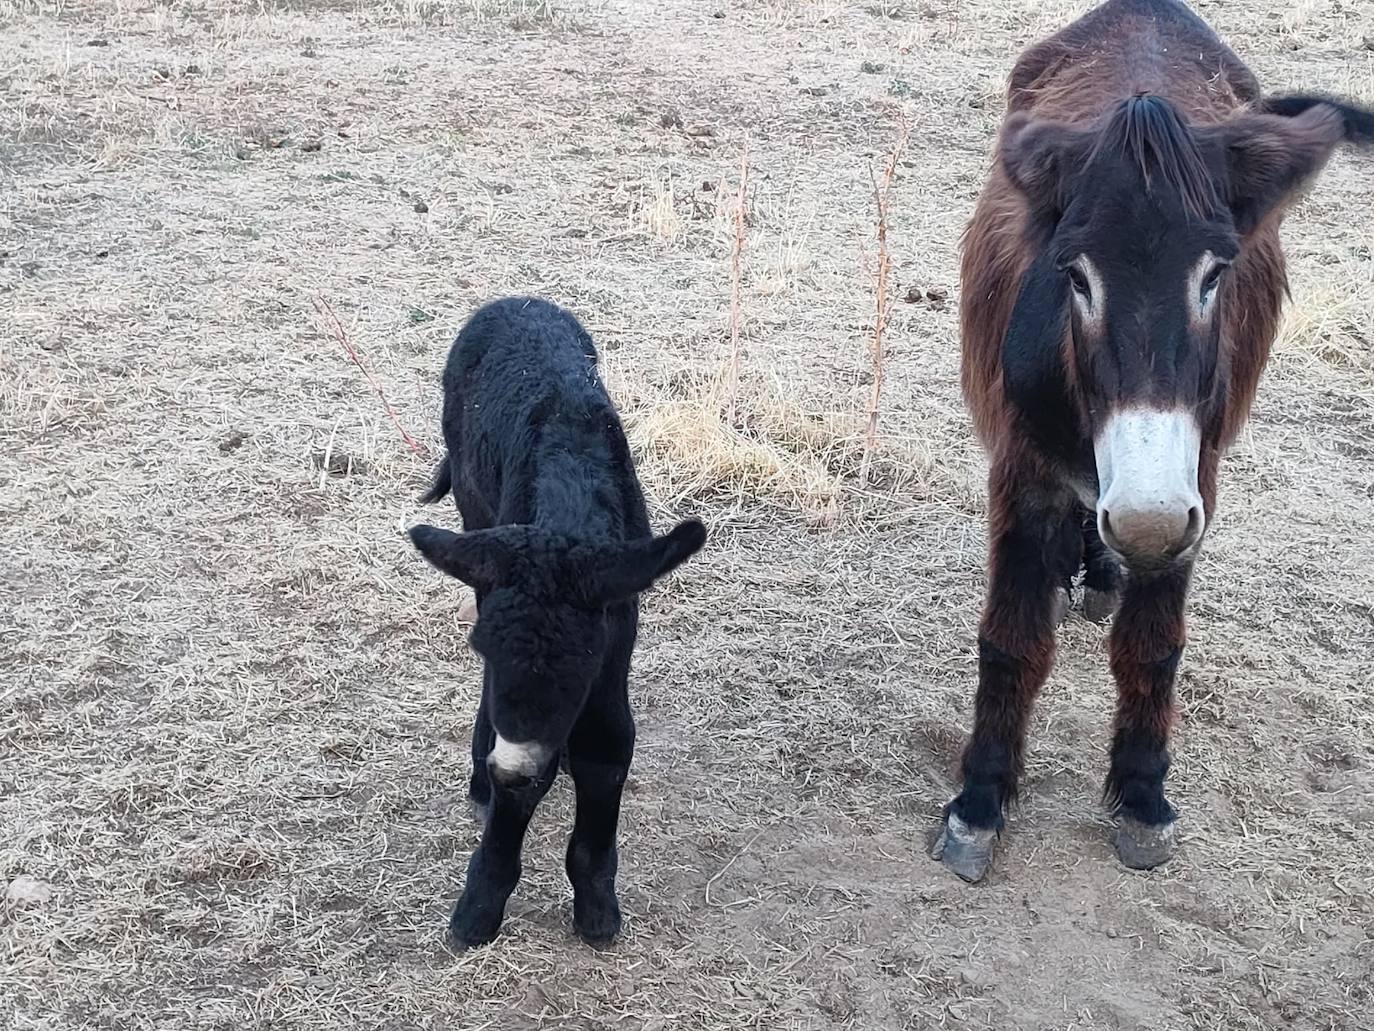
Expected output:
(1204, 284)
(1092, 302)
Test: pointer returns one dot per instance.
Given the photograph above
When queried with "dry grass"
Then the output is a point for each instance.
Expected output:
(234, 704)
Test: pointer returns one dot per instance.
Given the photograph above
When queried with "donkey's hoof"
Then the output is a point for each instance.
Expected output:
(1144, 846)
(965, 850)
(1100, 606)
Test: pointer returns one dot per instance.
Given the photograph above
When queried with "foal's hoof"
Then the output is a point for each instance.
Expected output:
(1144, 846)
(1062, 603)
(473, 924)
(1100, 606)
(965, 850)
(597, 923)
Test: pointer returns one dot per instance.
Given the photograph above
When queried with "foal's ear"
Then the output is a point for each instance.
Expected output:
(1270, 158)
(481, 559)
(634, 568)
(1038, 156)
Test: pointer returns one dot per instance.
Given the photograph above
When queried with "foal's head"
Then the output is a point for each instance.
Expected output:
(542, 622)
(1138, 224)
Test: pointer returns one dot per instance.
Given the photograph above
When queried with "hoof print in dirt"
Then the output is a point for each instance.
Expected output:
(1144, 846)
(965, 850)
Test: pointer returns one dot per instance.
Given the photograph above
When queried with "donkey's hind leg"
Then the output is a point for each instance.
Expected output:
(1102, 578)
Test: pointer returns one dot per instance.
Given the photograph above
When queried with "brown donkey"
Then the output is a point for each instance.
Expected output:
(1122, 281)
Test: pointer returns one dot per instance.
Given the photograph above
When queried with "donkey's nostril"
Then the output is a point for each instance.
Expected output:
(1196, 521)
(1152, 531)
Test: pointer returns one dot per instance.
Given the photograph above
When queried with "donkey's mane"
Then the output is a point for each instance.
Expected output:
(1147, 130)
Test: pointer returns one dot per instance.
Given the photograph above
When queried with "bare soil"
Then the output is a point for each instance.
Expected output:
(234, 704)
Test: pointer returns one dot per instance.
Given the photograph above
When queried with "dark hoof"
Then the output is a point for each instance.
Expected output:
(965, 850)
(473, 924)
(1144, 846)
(597, 924)
(1062, 604)
(1100, 606)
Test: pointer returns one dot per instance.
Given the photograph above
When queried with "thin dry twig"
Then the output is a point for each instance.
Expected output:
(335, 328)
(881, 191)
(732, 384)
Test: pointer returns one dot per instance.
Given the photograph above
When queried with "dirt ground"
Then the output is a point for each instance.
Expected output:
(234, 703)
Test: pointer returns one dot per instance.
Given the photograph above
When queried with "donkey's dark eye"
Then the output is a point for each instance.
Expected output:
(1079, 282)
(1213, 279)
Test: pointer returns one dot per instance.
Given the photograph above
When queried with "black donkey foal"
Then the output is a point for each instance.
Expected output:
(557, 547)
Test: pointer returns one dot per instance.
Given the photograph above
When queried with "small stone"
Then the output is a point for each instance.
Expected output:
(192, 69)
(421, 208)
(310, 146)
(25, 891)
(233, 441)
(99, 41)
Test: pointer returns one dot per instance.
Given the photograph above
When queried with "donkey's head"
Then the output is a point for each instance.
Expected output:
(1119, 334)
(541, 626)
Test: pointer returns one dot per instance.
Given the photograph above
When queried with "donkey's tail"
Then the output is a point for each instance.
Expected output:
(443, 483)
(1359, 121)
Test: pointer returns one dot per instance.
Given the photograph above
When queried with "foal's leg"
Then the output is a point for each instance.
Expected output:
(1102, 581)
(1032, 529)
(599, 753)
(520, 776)
(1146, 645)
(483, 738)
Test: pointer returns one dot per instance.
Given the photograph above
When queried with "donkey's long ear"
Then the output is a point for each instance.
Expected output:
(1270, 158)
(481, 559)
(1039, 156)
(1033, 356)
(629, 570)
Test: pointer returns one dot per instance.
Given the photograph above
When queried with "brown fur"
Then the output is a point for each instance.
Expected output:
(1122, 48)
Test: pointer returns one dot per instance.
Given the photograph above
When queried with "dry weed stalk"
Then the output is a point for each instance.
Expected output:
(736, 251)
(332, 325)
(881, 191)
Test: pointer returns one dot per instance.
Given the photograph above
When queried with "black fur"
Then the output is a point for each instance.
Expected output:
(557, 547)
(1033, 365)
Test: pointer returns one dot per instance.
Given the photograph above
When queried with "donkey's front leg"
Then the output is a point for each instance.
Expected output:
(1146, 645)
(1033, 534)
